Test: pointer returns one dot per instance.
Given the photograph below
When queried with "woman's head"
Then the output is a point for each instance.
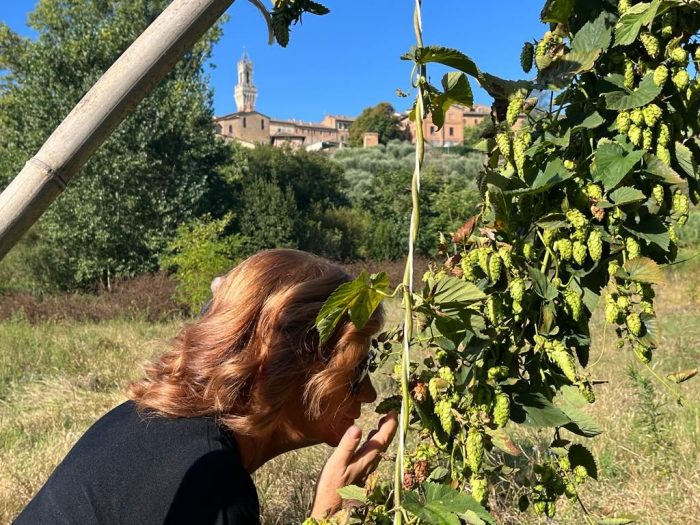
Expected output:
(256, 352)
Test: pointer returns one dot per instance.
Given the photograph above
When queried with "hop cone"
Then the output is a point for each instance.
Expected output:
(634, 323)
(517, 289)
(652, 113)
(580, 252)
(475, 449)
(612, 312)
(573, 302)
(494, 309)
(658, 193)
(501, 409)
(635, 135)
(565, 249)
(479, 488)
(594, 191)
(595, 245)
(443, 409)
(623, 121)
(519, 149)
(494, 268)
(629, 74)
(651, 44)
(526, 56)
(637, 116)
(632, 246)
(576, 218)
(679, 56)
(497, 373)
(447, 374)
(647, 138)
(664, 154)
(503, 143)
(622, 6)
(660, 75)
(565, 361)
(681, 80)
(484, 259)
(664, 136)
(505, 255)
(515, 107)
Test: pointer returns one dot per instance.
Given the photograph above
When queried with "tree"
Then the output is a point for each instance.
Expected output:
(157, 170)
(380, 119)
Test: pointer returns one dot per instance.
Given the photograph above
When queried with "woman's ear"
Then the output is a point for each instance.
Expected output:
(215, 283)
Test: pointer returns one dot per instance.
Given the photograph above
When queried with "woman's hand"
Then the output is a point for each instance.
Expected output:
(351, 465)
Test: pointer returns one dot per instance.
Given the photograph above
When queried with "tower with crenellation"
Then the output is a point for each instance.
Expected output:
(245, 91)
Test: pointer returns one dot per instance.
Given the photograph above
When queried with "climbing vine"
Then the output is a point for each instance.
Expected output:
(590, 172)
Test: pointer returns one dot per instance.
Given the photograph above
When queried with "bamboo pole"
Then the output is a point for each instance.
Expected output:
(133, 76)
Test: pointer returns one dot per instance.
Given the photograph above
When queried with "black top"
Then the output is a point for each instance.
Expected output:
(131, 468)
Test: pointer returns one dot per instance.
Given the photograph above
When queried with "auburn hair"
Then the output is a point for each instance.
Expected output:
(256, 349)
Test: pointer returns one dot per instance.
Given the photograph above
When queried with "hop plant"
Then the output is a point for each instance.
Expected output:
(501, 409)
(483, 254)
(576, 218)
(594, 191)
(573, 302)
(679, 56)
(623, 303)
(580, 473)
(528, 250)
(475, 450)
(564, 360)
(647, 138)
(447, 375)
(515, 107)
(632, 247)
(637, 116)
(623, 6)
(652, 113)
(506, 256)
(494, 272)
(664, 154)
(443, 409)
(503, 143)
(635, 134)
(664, 135)
(565, 249)
(629, 74)
(595, 245)
(623, 121)
(681, 207)
(496, 373)
(658, 194)
(612, 311)
(526, 56)
(494, 309)
(651, 44)
(479, 488)
(579, 252)
(660, 75)
(681, 80)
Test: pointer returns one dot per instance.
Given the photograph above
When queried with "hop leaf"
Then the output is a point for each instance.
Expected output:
(526, 56)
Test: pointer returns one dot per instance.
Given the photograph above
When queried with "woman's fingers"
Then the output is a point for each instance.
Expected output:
(367, 457)
(345, 450)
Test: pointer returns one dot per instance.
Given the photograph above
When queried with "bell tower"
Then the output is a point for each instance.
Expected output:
(245, 91)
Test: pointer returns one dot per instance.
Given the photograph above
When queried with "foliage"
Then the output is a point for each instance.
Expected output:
(199, 252)
(578, 205)
(380, 119)
(157, 170)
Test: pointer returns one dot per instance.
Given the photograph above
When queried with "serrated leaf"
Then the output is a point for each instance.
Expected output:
(337, 305)
(553, 174)
(645, 93)
(656, 167)
(631, 22)
(682, 375)
(353, 492)
(442, 505)
(641, 269)
(686, 161)
(584, 121)
(443, 55)
(572, 403)
(389, 404)
(501, 439)
(531, 408)
(564, 68)
(456, 91)
(652, 333)
(652, 230)
(438, 473)
(626, 194)
(453, 290)
(580, 455)
(541, 285)
(612, 165)
(593, 35)
(557, 11)
(615, 521)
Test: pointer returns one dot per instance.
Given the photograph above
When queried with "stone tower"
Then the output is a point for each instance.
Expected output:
(245, 91)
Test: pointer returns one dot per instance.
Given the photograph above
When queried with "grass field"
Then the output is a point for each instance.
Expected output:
(56, 378)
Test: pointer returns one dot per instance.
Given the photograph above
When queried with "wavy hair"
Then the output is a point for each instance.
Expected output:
(256, 349)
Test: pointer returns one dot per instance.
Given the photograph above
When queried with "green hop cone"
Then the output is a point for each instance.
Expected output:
(634, 323)
(629, 74)
(569, 164)
(647, 307)
(564, 463)
(623, 121)
(437, 388)
(447, 375)
(573, 303)
(680, 207)
(613, 267)
(672, 235)
(643, 353)
(664, 154)
(586, 391)
(679, 56)
(595, 245)
(664, 135)
(547, 237)
(505, 254)
(579, 251)
(540, 507)
(527, 54)
(637, 116)
(580, 473)
(632, 247)
(503, 143)
(623, 303)
(501, 409)
(681, 80)
(647, 138)
(612, 311)
(565, 249)
(517, 289)
(565, 361)
(475, 450)
(635, 135)
(494, 267)
(660, 75)
(594, 191)
(519, 148)
(623, 6)
(651, 44)
(658, 194)
(576, 218)
(515, 107)
(652, 113)
(667, 23)
(479, 488)
(494, 309)
(483, 254)
(443, 410)
(467, 268)
(497, 373)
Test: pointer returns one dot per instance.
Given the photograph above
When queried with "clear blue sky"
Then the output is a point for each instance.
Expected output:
(349, 59)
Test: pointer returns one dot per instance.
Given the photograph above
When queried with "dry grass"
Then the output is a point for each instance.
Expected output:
(57, 378)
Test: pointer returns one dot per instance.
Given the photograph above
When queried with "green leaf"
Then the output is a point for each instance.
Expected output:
(656, 167)
(645, 93)
(453, 290)
(541, 285)
(615, 521)
(443, 55)
(531, 408)
(652, 230)
(337, 305)
(584, 121)
(572, 403)
(389, 404)
(652, 332)
(580, 455)
(554, 173)
(442, 505)
(353, 492)
(612, 165)
(641, 269)
(557, 11)
(686, 161)
(631, 22)
(683, 375)
(626, 194)
(564, 68)
(593, 35)
(456, 91)
(501, 439)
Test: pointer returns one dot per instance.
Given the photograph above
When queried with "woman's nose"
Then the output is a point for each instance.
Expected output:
(367, 392)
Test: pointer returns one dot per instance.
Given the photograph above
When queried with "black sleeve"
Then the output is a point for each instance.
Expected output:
(215, 491)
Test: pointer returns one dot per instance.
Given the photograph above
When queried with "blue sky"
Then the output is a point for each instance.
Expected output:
(349, 59)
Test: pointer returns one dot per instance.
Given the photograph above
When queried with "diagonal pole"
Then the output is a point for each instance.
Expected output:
(133, 76)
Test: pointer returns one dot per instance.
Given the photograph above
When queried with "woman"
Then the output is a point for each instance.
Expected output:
(244, 383)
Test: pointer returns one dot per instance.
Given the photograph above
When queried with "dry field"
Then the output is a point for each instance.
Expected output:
(57, 377)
